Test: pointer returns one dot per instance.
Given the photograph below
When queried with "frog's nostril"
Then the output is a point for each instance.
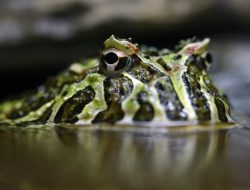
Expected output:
(111, 58)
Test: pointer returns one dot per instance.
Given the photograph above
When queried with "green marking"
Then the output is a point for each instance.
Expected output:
(130, 104)
(98, 104)
(152, 63)
(210, 100)
(94, 80)
(179, 86)
(154, 99)
(227, 110)
(34, 115)
(8, 106)
(183, 95)
(122, 45)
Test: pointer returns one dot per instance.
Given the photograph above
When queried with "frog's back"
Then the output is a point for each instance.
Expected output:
(127, 85)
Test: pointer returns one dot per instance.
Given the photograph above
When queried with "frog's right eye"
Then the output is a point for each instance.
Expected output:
(113, 62)
(111, 58)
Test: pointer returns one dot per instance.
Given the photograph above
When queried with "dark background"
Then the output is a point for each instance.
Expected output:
(40, 38)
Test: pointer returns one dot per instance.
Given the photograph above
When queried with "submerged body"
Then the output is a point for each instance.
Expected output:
(127, 85)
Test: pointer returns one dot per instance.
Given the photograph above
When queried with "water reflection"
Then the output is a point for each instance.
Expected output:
(159, 152)
(118, 159)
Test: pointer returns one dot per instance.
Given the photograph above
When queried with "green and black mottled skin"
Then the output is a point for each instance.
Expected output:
(127, 85)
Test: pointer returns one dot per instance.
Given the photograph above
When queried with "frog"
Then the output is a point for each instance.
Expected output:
(128, 84)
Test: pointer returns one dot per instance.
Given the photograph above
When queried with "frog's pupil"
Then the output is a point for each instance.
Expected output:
(111, 58)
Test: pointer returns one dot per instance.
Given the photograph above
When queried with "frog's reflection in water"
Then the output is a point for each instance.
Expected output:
(141, 156)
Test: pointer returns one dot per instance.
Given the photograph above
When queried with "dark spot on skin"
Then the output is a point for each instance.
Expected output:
(177, 57)
(46, 115)
(111, 58)
(201, 63)
(196, 60)
(194, 67)
(68, 112)
(31, 103)
(64, 93)
(209, 58)
(221, 109)
(163, 64)
(215, 92)
(33, 100)
(115, 91)
(146, 110)
(159, 86)
(135, 58)
(170, 100)
(191, 59)
(40, 121)
(198, 100)
(143, 72)
(198, 86)
(185, 80)
(207, 80)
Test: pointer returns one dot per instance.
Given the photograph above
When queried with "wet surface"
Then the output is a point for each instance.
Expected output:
(109, 158)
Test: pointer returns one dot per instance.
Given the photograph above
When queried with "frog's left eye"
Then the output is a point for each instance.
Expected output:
(113, 62)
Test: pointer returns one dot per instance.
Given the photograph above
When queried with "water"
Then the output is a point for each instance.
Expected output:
(70, 157)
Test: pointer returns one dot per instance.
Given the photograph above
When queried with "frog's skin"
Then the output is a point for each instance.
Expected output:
(128, 85)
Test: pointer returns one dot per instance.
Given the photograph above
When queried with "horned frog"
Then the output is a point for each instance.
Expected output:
(130, 85)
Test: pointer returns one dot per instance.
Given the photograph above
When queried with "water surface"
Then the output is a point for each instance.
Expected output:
(70, 157)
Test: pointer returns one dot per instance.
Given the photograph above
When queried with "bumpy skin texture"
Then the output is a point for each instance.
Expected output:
(127, 85)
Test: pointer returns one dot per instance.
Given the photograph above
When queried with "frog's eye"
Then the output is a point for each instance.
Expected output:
(113, 62)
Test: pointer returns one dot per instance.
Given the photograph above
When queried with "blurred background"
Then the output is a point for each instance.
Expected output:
(39, 38)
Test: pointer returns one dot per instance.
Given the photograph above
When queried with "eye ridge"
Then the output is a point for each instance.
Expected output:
(111, 58)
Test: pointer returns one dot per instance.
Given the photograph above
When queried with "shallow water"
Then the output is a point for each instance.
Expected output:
(70, 157)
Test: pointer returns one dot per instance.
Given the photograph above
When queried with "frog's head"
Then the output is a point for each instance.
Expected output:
(116, 56)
